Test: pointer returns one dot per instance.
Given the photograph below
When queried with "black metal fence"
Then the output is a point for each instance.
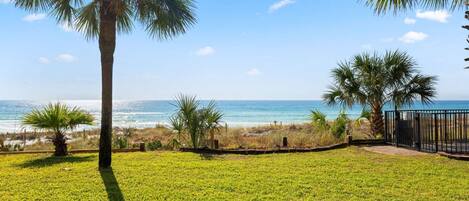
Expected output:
(429, 130)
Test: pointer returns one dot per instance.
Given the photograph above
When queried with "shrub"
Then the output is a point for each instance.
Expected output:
(154, 145)
(121, 142)
(340, 125)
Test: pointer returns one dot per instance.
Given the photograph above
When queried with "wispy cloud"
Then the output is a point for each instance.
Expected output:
(34, 17)
(253, 72)
(438, 15)
(412, 37)
(43, 60)
(280, 4)
(409, 20)
(205, 51)
(65, 57)
(5, 1)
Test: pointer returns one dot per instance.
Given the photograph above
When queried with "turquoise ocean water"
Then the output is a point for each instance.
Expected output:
(140, 114)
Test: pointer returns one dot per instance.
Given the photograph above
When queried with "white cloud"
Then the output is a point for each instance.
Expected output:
(5, 1)
(205, 51)
(65, 58)
(412, 37)
(43, 60)
(438, 15)
(280, 4)
(408, 20)
(34, 17)
(253, 72)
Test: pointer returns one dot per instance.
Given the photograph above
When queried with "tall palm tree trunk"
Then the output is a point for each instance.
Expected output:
(60, 144)
(377, 123)
(107, 45)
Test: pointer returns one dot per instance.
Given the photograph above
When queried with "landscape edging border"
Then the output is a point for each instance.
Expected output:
(78, 151)
(263, 151)
(461, 157)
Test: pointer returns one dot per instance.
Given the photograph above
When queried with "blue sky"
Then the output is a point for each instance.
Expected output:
(244, 49)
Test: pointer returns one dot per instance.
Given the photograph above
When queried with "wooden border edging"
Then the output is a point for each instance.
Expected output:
(78, 151)
(265, 151)
(369, 142)
(461, 157)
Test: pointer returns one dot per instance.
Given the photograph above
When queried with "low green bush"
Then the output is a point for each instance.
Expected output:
(121, 142)
(339, 127)
(154, 145)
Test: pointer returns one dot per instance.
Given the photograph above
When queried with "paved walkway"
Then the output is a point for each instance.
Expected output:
(392, 150)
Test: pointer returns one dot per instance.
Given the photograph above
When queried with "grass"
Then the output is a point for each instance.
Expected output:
(343, 174)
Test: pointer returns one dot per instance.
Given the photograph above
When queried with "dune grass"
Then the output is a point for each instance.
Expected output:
(343, 174)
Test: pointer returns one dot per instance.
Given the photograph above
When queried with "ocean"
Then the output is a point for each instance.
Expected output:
(141, 114)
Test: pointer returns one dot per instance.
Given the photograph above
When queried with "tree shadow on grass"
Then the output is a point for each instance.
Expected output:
(209, 156)
(110, 183)
(53, 160)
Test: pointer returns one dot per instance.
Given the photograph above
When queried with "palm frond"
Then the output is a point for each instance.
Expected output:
(87, 20)
(124, 15)
(57, 117)
(164, 19)
(395, 6)
(34, 5)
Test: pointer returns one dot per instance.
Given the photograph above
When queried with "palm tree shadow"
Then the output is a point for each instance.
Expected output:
(53, 160)
(110, 183)
(208, 156)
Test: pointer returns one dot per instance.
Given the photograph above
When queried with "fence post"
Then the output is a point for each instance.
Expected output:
(419, 143)
(142, 147)
(285, 142)
(397, 119)
(386, 126)
(446, 132)
(436, 132)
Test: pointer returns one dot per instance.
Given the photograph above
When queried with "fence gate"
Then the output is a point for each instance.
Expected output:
(428, 130)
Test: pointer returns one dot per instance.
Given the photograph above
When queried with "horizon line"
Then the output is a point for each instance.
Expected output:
(202, 99)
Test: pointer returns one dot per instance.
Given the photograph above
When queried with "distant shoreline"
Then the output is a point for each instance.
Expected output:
(237, 113)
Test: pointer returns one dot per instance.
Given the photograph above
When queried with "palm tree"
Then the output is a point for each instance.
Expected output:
(196, 121)
(103, 19)
(58, 118)
(374, 80)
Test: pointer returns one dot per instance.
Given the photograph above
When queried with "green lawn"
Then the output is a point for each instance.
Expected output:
(344, 174)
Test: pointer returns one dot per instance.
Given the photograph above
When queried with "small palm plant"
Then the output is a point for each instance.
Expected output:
(177, 125)
(58, 118)
(318, 120)
(196, 121)
(212, 121)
